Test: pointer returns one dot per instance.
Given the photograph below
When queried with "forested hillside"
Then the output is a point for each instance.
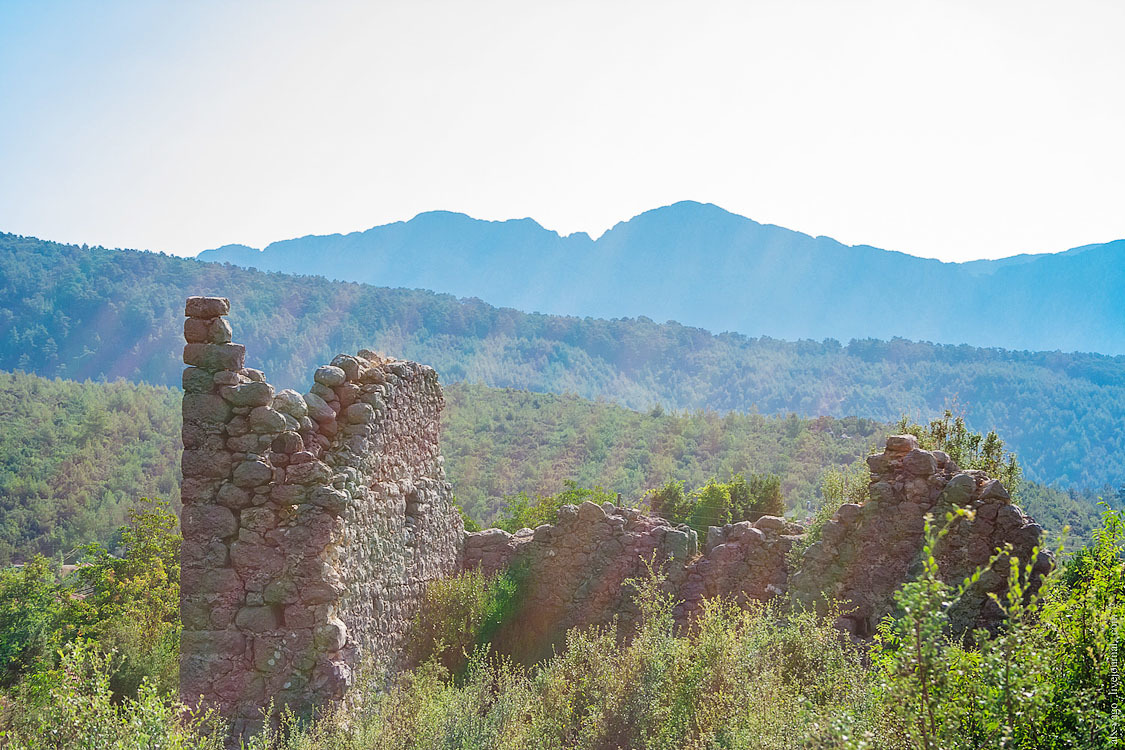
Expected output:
(703, 266)
(74, 457)
(94, 313)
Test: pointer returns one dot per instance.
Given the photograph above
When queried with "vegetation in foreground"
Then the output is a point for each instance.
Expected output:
(82, 674)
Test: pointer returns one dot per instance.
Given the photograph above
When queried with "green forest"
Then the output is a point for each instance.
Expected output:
(75, 457)
(92, 313)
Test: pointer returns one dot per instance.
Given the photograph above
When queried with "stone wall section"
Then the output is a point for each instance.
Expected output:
(744, 561)
(866, 552)
(575, 570)
(311, 522)
(574, 573)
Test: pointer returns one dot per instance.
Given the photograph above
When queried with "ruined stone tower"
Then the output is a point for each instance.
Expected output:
(311, 522)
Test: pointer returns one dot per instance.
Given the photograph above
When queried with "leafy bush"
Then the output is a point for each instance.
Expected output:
(1046, 679)
(73, 707)
(837, 488)
(29, 615)
(462, 613)
(524, 512)
(718, 503)
(128, 604)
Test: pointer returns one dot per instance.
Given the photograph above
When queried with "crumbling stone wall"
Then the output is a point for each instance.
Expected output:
(574, 573)
(868, 551)
(742, 561)
(311, 522)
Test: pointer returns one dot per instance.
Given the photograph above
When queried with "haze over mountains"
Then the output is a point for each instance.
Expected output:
(703, 266)
(78, 312)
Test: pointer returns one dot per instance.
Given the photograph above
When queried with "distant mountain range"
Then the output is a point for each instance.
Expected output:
(77, 312)
(702, 266)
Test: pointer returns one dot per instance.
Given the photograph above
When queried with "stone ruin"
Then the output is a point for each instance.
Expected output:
(867, 551)
(312, 524)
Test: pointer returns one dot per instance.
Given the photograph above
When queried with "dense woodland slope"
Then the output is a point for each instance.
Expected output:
(703, 266)
(94, 313)
(74, 457)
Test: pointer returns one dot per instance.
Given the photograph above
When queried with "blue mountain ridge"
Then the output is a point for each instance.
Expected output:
(700, 265)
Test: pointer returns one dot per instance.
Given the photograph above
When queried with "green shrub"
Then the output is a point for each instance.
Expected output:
(461, 613)
(718, 503)
(30, 606)
(525, 512)
(73, 707)
(837, 487)
(129, 605)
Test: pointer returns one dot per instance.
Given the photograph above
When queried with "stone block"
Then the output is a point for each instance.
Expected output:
(204, 554)
(349, 365)
(770, 523)
(198, 580)
(195, 490)
(206, 463)
(248, 394)
(252, 473)
(215, 357)
(315, 472)
(288, 442)
(589, 512)
(264, 420)
(195, 380)
(206, 522)
(919, 463)
(256, 559)
(878, 464)
(359, 413)
(901, 443)
(290, 402)
(206, 307)
(959, 490)
(330, 376)
(995, 490)
(331, 636)
(235, 498)
(256, 619)
(318, 408)
(205, 408)
(281, 591)
(219, 332)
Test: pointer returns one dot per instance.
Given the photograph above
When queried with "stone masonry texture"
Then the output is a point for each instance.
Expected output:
(311, 522)
(573, 573)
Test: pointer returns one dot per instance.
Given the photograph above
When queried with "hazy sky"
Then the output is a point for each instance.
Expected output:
(955, 130)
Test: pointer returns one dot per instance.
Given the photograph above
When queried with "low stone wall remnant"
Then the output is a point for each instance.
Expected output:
(866, 552)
